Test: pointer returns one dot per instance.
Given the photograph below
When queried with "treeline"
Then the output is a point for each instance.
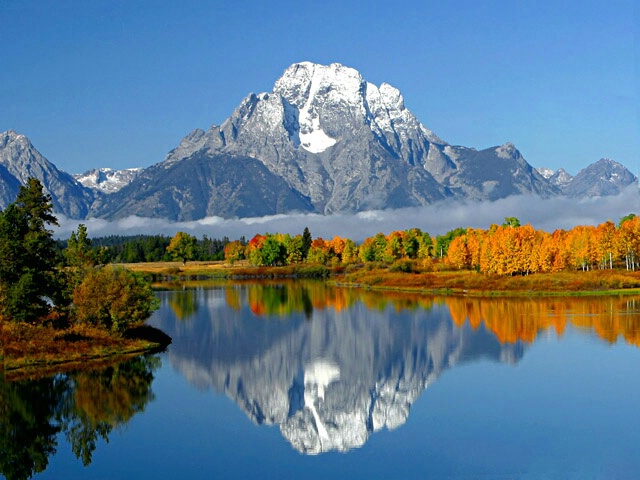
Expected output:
(286, 249)
(515, 249)
(152, 248)
(505, 249)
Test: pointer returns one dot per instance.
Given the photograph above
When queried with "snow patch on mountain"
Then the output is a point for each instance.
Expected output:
(312, 78)
(560, 178)
(545, 172)
(107, 180)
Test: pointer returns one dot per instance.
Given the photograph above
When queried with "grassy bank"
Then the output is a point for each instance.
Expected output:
(34, 351)
(473, 283)
(412, 277)
(240, 270)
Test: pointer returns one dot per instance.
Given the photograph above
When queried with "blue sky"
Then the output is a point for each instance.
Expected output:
(118, 83)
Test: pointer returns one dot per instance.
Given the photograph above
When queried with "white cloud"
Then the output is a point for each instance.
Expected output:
(546, 214)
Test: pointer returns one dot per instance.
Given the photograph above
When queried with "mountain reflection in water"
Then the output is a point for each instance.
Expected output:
(329, 366)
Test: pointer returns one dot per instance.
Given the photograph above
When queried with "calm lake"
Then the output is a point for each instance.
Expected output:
(302, 380)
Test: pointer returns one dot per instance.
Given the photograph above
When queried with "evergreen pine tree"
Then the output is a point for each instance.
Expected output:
(29, 281)
(306, 242)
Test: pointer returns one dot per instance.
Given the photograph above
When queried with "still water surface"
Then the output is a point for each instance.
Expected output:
(304, 380)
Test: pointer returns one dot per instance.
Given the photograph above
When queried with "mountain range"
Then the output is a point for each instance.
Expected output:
(324, 140)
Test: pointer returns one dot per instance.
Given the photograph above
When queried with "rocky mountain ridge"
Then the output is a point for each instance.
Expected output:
(20, 160)
(324, 140)
(604, 177)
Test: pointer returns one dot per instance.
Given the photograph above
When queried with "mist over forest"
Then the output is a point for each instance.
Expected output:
(544, 214)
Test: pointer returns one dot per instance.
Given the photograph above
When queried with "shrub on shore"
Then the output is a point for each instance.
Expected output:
(114, 298)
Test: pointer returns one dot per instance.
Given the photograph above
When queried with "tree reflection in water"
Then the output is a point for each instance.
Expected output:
(510, 319)
(331, 366)
(522, 319)
(183, 303)
(84, 405)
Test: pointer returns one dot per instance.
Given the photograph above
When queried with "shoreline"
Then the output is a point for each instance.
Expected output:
(34, 351)
(383, 277)
(30, 351)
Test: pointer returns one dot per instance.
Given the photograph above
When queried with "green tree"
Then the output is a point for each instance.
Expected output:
(273, 252)
(294, 247)
(113, 298)
(511, 222)
(266, 250)
(394, 248)
(380, 244)
(78, 252)
(367, 251)
(306, 242)
(630, 216)
(443, 241)
(183, 247)
(411, 242)
(29, 281)
(425, 245)
(79, 257)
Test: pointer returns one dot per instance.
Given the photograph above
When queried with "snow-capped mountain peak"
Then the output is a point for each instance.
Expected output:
(311, 88)
(306, 82)
(561, 178)
(329, 97)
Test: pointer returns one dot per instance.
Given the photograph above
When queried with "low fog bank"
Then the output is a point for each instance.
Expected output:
(545, 214)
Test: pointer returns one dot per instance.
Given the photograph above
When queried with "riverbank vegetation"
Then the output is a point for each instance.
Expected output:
(33, 351)
(411, 277)
(59, 306)
(507, 249)
(503, 259)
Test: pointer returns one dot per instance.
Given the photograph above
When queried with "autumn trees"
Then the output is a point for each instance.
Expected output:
(183, 247)
(513, 249)
(506, 249)
(112, 298)
(285, 249)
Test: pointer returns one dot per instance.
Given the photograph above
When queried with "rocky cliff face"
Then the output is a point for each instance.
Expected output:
(203, 185)
(329, 380)
(19, 160)
(605, 177)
